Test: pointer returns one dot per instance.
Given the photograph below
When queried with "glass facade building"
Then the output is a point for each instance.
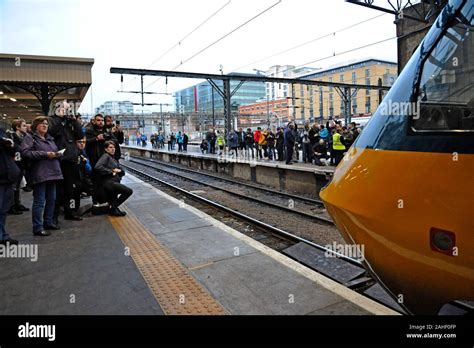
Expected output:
(201, 97)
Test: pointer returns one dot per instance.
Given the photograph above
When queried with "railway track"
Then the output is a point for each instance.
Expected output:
(354, 275)
(295, 204)
(252, 186)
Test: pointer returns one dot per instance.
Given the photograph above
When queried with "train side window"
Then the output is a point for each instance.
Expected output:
(445, 95)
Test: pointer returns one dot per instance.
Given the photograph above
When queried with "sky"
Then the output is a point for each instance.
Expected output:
(160, 34)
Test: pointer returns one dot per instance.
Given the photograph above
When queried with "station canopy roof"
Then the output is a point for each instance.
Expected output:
(31, 86)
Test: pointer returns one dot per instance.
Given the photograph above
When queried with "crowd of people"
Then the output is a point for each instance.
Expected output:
(320, 144)
(158, 140)
(61, 160)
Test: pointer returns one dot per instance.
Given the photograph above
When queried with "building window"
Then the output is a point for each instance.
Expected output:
(367, 104)
(367, 72)
(354, 107)
(354, 77)
(341, 78)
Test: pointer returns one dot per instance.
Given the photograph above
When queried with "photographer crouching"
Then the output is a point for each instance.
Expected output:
(9, 173)
(109, 175)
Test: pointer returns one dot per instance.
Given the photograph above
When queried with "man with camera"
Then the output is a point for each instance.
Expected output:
(9, 173)
(65, 130)
(117, 133)
(96, 136)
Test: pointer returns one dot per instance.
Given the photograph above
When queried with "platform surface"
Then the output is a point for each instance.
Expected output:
(164, 257)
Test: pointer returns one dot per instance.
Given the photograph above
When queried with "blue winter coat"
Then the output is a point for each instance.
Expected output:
(289, 137)
(323, 133)
(233, 140)
(35, 150)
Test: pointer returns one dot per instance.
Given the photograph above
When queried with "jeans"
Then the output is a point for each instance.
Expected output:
(271, 152)
(6, 199)
(44, 198)
(248, 149)
(212, 146)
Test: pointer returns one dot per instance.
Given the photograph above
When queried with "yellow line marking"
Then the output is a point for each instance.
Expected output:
(177, 292)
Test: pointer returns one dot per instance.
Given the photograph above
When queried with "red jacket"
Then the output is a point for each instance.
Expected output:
(256, 136)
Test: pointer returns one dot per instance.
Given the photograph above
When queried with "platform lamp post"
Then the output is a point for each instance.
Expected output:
(213, 110)
(162, 117)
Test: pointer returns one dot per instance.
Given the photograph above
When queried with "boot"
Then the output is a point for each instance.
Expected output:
(13, 211)
(21, 207)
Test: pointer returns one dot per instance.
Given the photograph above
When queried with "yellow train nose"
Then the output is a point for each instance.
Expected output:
(378, 201)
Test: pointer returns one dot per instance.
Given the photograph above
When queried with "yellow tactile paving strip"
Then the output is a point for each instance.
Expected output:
(177, 292)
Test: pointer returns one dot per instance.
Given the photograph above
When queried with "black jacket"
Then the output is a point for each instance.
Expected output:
(249, 138)
(65, 132)
(104, 168)
(280, 139)
(271, 139)
(94, 147)
(322, 149)
(313, 135)
(17, 144)
(211, 136)
(9, 171)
